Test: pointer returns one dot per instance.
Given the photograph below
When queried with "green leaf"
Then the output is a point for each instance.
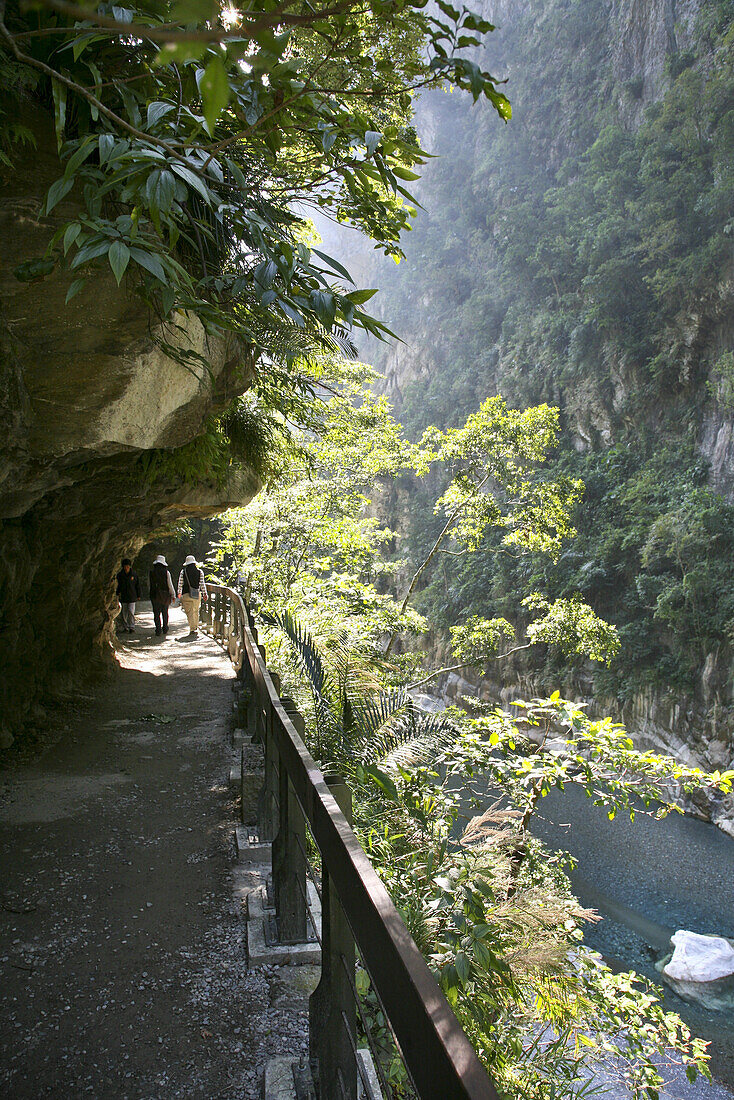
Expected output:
(91, 251)
(194, 11)
(462, 967)
(177, 53)
(106, 145)
(74, 289)
(214, 88)
(160, 188)
(327, 140)
(383, 781)
(119, 257)
(150, 262)
(156, 111)
(403, 173)
(333, 264)
(70, 235)
(168, 299)
(323, 304)
(447, 9)
(358, 297)
(193, 180)
(59, 96)
(237, 173)
(56, 193)
(80, 155)
(82, 41)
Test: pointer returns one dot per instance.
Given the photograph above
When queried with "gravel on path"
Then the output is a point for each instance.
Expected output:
(123, 968)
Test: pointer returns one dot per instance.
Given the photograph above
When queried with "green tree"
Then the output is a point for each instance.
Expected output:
(598, 249)
(495, 463)
(311, 541)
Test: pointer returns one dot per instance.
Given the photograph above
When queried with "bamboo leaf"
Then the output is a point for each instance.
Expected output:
(56, 192)
(214, 88)
(59, 96)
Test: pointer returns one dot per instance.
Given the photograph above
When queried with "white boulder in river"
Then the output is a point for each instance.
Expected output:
(701, 968)
(700, 958)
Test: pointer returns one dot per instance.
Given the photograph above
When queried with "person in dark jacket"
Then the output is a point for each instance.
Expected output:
(128, 593)
(162, 593)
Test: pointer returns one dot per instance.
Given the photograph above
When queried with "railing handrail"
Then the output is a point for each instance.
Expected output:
(439, 1056)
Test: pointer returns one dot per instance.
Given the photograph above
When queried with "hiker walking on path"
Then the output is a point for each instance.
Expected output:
(128, 593)
(191, 591)
(162, 593)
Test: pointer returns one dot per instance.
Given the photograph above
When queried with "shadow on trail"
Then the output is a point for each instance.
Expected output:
(123, 968)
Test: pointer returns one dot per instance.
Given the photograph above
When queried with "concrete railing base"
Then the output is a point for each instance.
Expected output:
(262, 948)
(280, 1079)
(249, 848)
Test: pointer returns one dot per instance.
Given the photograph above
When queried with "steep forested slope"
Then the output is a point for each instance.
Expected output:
(582, 255)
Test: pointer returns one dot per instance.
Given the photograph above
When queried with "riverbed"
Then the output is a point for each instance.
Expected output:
(647, 879)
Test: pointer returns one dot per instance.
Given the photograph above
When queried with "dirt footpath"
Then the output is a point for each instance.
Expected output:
(123, 969)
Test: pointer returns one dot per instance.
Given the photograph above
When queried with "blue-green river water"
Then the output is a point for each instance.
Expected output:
(647, 879)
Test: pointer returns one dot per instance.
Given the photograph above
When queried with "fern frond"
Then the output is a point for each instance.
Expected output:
(414, 739)
(374, 711)
(312, 666)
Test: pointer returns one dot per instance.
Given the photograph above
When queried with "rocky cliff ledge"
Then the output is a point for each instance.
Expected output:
(86, 392)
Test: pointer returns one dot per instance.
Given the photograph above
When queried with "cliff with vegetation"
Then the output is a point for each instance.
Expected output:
(582, 255)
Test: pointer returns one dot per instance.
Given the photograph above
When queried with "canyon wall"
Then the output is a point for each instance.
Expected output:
(582, 255)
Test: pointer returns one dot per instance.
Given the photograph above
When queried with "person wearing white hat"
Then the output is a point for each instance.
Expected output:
(191, 591)
(162, 593)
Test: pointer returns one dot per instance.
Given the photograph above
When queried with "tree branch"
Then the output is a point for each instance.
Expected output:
(466, 664)
(172, 32)
(432, 552)
(82, 91)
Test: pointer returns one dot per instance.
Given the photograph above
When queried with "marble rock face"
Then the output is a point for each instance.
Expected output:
(429, 703)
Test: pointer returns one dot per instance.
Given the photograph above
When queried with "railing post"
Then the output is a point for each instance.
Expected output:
(243, 672)
(268, 801)
(289, 864)
(332, 1012)
(258, 735)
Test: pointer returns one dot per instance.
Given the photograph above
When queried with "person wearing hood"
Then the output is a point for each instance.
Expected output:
(162, 593)
(128, 593)
(191, 591)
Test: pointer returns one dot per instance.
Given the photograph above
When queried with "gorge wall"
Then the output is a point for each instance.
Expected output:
(582, 255)
(95, 414)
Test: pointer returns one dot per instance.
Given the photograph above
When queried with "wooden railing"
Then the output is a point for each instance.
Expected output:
(440, 1060)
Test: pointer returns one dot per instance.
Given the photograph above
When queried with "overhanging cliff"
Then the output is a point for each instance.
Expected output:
(88, 395)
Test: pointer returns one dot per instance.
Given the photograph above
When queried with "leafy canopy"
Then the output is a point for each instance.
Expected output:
(193, 140)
